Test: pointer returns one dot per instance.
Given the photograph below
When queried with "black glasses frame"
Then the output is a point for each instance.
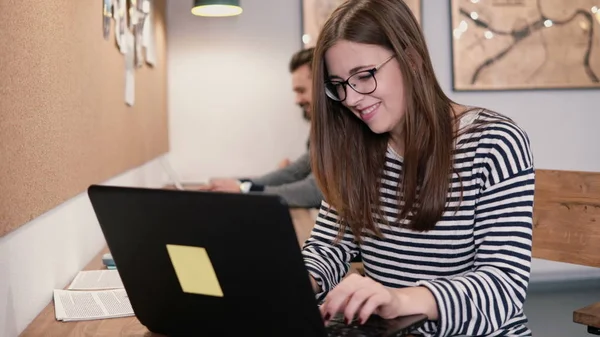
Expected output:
(345, 83)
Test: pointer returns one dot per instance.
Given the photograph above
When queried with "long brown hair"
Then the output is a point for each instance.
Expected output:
(348, 158)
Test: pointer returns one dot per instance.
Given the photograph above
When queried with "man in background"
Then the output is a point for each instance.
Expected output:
(294, 182)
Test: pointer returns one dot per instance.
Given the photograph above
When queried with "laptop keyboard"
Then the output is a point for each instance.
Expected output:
(337, 328)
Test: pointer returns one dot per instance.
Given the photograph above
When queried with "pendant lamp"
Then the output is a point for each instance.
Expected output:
(216, 8)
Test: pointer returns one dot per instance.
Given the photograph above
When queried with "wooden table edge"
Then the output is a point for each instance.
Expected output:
(589, 316)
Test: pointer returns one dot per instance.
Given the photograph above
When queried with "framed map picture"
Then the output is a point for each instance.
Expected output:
(316, 12)
(525, 44)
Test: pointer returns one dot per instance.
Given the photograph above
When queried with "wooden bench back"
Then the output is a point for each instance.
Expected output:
(567, 217)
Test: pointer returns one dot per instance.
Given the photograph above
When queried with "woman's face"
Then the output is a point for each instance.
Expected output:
(380, 101)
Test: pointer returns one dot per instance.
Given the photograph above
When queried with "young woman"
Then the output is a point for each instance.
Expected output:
(436, 197)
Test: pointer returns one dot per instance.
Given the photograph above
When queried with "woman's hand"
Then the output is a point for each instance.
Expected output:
(358, 296)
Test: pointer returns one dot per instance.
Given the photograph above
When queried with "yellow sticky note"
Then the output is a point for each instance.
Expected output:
(194, 270)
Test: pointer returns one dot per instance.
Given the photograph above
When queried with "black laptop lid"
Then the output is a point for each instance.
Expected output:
(250, 242)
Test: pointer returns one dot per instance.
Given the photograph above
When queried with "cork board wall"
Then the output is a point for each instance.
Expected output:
(64, 123)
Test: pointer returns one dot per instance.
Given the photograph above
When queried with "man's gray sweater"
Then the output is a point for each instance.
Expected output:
(295, 183)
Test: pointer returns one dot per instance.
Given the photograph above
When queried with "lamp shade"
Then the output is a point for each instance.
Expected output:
(216, 8)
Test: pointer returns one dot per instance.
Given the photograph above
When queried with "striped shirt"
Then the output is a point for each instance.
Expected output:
(476, 261)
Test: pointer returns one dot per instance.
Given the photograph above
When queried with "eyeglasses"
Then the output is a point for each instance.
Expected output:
(363, 82)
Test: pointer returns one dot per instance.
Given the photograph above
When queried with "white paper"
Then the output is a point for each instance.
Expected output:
(107, 15)
(147, 23)
(120, 16)
(97, 280)
(139, 54)
(130, 69)
(133, 14)
(148, 38)
(70, 305)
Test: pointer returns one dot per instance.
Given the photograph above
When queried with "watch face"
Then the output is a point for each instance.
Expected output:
(245, 186)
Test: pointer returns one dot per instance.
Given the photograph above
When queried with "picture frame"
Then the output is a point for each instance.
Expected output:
(316, 12)
(525, 44)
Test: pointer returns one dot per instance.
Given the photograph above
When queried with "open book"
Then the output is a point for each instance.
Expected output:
(72, 305)
(94, 294)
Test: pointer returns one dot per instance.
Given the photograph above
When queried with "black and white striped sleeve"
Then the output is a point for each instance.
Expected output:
(326, 260)
(481, 301)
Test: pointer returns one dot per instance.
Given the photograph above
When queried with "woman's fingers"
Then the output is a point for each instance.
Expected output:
(371, 304)
(334, 303)
(355, 296)
(356, 301)
(338, 296)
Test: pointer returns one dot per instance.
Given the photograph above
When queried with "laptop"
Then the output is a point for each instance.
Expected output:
(217, 264)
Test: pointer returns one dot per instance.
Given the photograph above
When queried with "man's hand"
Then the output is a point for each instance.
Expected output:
(225, 185)
(284, 163)
(203, 187)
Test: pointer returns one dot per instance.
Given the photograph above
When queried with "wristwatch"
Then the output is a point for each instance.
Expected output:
(245, 186)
